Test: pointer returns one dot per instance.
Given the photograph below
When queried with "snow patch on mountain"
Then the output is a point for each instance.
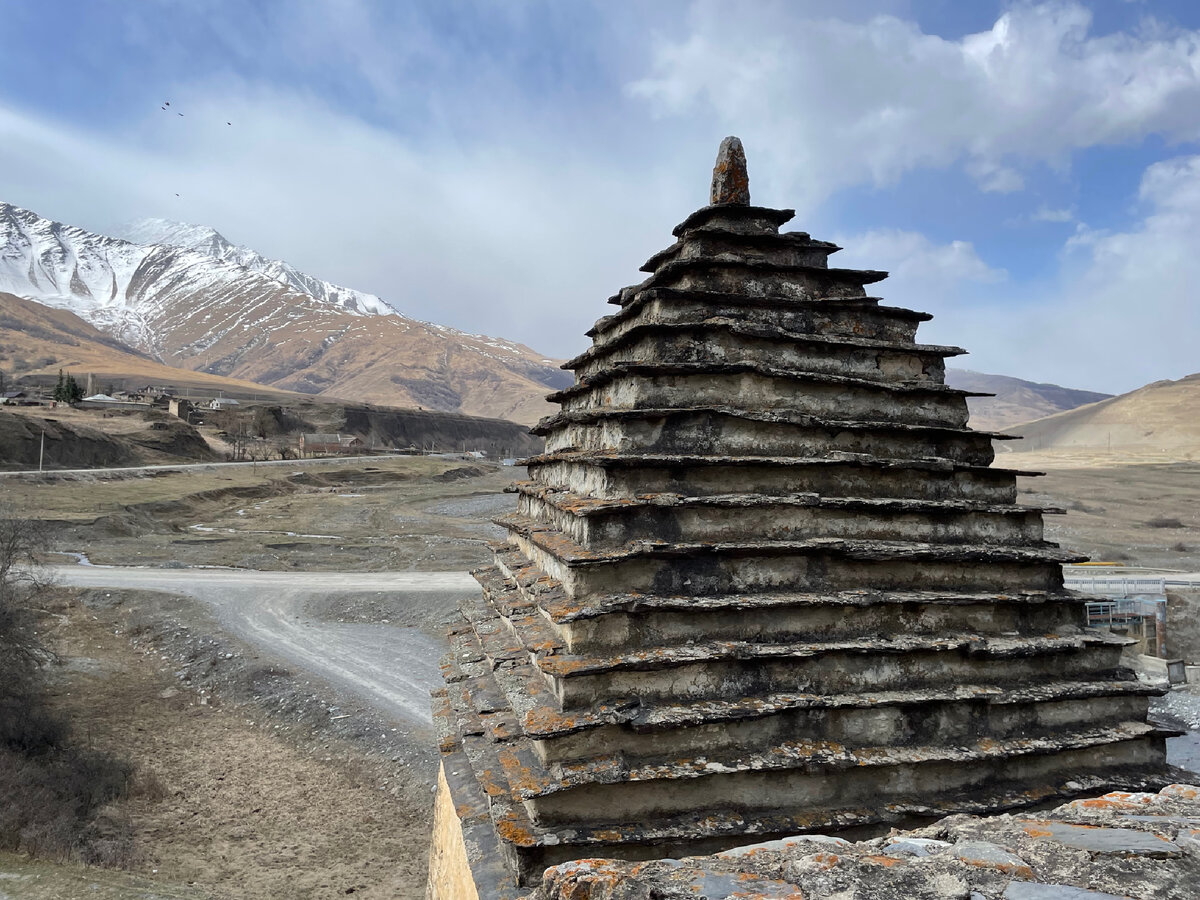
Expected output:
(187, 296)
(211, 242)
(118, 286)
(68, 268)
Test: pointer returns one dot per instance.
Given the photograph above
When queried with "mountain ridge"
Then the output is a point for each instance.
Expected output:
(1016, 400)
(190, 298)
(191, 310)
(210, 242)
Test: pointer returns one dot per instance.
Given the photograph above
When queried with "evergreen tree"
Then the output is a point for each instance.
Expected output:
(60, 389)
(73, 391)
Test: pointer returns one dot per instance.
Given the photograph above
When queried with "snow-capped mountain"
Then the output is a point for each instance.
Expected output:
(210, 242)
(199, 308)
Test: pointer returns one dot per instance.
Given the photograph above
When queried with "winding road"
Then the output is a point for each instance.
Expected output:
(393, 668)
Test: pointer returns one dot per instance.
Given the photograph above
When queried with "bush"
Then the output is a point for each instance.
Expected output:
(53, 793)
(23, 725)
(54, 804)
(1164, 522)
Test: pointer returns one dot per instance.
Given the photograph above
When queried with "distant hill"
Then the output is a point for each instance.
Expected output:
(1162, 417)
(1016, 401)
(66, 439)
(213, 307)
(36, 341)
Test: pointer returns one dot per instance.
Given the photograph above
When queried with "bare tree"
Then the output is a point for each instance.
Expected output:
(22, 581)
(23, 723)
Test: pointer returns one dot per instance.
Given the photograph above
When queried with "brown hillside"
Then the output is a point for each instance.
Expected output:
(37, 340)
(299, 345)
(195, 310)
(1161, 419)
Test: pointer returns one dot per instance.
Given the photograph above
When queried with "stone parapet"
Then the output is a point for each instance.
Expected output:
(1120, 845)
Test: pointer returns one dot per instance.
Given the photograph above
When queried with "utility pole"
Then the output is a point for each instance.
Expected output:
(42, 450)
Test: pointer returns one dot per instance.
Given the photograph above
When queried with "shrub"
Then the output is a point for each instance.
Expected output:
(54, 793)
(1164, 522)
(54, 803)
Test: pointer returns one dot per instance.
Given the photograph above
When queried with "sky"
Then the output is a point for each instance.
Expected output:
(1029, 172)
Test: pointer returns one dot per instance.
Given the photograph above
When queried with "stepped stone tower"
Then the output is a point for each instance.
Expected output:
(763, 581)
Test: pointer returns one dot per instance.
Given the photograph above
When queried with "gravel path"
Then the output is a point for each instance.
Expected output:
(391, 667)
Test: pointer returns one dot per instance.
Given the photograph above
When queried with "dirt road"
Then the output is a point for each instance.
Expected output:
(391, 667)
(102, 471)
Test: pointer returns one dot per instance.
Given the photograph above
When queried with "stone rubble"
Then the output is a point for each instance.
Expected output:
(764, 581)
(1144, 846)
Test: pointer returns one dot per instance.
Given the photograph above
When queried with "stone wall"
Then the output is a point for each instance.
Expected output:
(449, 872)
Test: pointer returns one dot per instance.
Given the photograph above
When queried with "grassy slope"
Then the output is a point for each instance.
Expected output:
(1160, 419)
(36, 340)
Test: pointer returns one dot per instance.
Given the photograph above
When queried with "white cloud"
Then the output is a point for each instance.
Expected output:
(994, 178)
(842, 103)
(918, 268)
(495, 207)
(1121, 312)
(522, 241)
(1047, 214)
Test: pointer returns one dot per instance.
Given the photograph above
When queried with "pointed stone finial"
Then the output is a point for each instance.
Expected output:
(730, 182)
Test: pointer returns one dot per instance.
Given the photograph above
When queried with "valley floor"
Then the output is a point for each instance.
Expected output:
(283, 712)
(257, 692)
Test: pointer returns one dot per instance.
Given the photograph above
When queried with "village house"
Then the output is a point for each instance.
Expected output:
(318, 444)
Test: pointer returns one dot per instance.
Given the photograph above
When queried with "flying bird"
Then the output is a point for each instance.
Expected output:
(166, 102)
(179, 114)
(228, 123)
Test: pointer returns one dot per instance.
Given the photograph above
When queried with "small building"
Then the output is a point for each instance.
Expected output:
(12, 398)
(329, 444)
(180, 408)
(223, 403)
(104, 401)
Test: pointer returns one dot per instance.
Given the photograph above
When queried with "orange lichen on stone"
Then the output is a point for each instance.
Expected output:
(515, 833)
(521, 778)
(730, 182)
(1019, 871)
(887, 861)
(826, 860)
(1182, 791)
(608, 835)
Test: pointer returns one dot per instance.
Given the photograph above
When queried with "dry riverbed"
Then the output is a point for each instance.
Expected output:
(387, 514)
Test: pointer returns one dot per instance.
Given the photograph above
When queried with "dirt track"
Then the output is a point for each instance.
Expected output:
(391, 667)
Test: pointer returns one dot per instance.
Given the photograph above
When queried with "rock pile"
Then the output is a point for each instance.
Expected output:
(1121, 845)
(764, 581)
